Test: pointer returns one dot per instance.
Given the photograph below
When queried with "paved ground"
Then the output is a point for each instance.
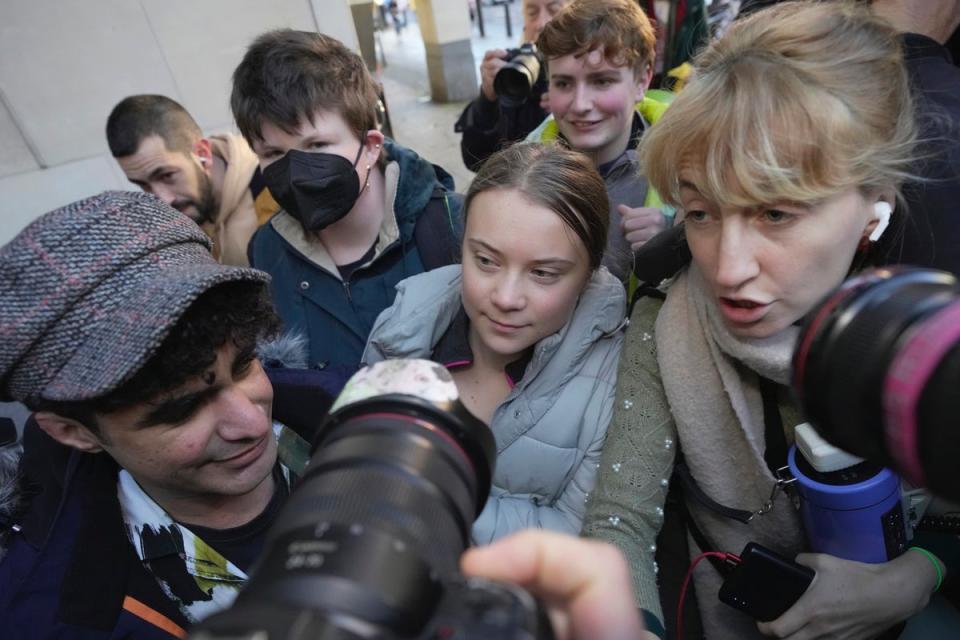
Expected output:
(418, 122)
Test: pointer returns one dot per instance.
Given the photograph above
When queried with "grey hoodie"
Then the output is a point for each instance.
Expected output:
(551, 427)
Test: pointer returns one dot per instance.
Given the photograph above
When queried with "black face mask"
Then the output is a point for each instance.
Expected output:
(317, 189)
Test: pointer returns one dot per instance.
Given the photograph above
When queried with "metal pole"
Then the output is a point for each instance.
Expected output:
(480, 18)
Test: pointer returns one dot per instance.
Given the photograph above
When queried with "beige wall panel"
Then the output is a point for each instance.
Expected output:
(63, 65)
(204, 41)
(334, 18)
(15, 155)
(26, 196)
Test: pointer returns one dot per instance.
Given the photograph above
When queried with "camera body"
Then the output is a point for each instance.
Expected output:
(521, 76)
(468, 609)
(369, 542)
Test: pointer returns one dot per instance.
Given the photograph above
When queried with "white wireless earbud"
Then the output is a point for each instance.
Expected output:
(882, 211)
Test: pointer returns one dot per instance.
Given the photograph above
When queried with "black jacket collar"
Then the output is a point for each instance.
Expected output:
(453, 349)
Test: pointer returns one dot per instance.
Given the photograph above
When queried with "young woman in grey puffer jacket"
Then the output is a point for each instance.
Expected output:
(530, 327)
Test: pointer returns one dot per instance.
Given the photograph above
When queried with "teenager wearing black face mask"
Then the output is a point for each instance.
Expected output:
(360, 212)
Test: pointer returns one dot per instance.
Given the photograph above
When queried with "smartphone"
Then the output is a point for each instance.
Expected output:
(765, 584)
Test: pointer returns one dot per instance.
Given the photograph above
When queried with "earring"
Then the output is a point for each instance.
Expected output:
(881, 211)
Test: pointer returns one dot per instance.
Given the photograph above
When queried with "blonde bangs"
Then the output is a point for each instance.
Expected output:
(751, 136)
(795, 104)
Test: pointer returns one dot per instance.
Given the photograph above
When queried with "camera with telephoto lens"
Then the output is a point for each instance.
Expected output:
(523, 73)
(368, 545)
(877, 372)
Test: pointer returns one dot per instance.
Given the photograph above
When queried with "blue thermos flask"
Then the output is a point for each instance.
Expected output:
(851, 509)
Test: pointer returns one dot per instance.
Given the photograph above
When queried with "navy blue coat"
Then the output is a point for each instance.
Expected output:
(337, 316)
(71, 571)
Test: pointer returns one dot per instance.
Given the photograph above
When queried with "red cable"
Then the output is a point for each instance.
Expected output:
(729, 557)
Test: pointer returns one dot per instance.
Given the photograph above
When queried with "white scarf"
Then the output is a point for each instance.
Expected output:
(718, 410)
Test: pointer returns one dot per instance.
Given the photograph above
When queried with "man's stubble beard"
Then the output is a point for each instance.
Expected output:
(206, 200)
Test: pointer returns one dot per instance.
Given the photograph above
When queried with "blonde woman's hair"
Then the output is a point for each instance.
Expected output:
(796, 103)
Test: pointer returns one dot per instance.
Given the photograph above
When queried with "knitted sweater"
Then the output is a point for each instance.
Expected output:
(626, 506)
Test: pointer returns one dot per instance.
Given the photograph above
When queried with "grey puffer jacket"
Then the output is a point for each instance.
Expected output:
(551, 427)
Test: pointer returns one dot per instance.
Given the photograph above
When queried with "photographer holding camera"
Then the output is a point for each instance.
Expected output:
(493, 121)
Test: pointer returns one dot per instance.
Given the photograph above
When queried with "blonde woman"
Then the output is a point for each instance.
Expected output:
(784, 156)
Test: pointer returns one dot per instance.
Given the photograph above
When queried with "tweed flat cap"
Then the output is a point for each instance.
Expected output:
(89, 291)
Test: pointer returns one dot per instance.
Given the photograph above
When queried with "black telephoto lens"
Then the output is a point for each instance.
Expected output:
(375, 526)
(516, 79)
(877, 370)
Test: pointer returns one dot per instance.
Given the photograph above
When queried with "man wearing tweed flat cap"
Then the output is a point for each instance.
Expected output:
(151, 474)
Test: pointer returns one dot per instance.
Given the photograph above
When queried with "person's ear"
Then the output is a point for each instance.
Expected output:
(641, 82)
(644, 78)
(68, 432)
(373, 146)
(203, 152)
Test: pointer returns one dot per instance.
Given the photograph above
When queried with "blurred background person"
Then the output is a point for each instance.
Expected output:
(491, 122)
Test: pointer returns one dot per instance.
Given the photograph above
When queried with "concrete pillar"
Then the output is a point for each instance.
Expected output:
(334, 18)
(362, 12)
(445, 25)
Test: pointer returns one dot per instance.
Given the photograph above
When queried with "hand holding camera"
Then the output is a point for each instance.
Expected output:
(493, 61)
(522, 70)
(584, 583)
